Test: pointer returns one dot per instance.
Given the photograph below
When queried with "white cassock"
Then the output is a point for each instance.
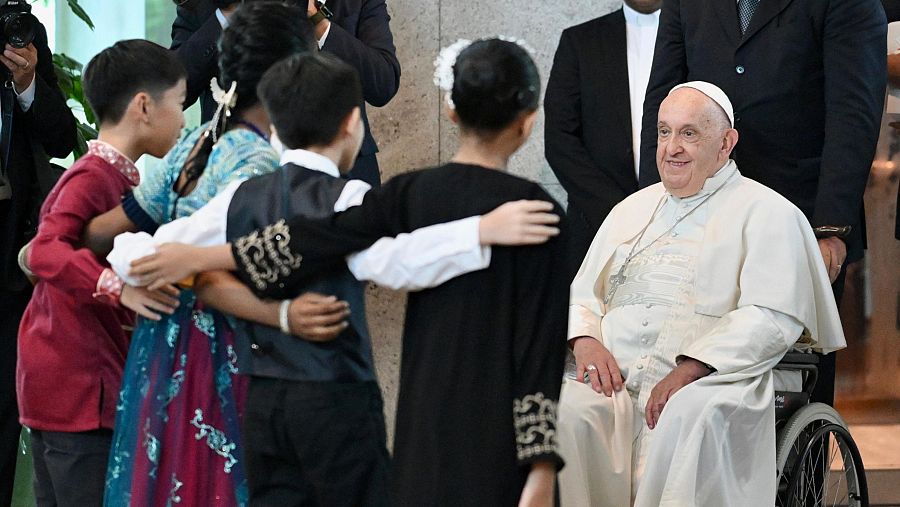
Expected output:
(734, 284)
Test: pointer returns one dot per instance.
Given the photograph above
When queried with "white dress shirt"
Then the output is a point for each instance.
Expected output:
(640, 35)
(424, 258)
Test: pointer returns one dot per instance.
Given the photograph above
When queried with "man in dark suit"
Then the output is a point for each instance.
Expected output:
(892, 10)
(593, 108)
(807, 82)
(34, 122)
(358, 32)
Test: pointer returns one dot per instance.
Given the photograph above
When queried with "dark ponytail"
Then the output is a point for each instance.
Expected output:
(493, 82)
(259, 34)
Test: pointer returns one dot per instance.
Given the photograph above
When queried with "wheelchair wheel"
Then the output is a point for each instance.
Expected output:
(818, 462)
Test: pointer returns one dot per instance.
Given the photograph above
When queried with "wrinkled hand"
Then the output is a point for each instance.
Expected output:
(318, 318)
(539, 486)
(21, 62)
(606, 376)
(688, 371)
(519, 223)
(150, 303)
(171, 263)
(834, 252)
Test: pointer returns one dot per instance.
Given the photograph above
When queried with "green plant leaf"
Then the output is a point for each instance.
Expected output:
(67, 62)
(81, 13)
(68, 74)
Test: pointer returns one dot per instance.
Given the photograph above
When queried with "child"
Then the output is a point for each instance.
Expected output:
(483, 353)
(179, 412)
(74, 334)
(321, 397)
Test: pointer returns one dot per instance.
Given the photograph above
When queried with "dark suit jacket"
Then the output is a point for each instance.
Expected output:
(360, 34)
(892, 10)
(26, 140)
(807, 83)
(587, 132)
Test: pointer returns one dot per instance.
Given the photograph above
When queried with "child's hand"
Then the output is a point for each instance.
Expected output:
(172, 263)
(539, 486)
(519, 223)
(147, 303)
(318, 318)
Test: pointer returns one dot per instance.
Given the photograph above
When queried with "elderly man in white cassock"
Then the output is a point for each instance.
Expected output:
(692, 291)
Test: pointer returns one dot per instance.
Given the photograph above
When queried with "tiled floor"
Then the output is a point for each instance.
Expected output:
(879, 445)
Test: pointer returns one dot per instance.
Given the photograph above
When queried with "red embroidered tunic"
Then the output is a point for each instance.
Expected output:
(74, 335)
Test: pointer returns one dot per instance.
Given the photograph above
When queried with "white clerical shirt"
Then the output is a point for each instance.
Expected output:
(640, 36)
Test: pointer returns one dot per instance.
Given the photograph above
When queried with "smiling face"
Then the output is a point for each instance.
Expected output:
(694, 140)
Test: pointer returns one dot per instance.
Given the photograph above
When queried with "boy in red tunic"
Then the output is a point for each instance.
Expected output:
(74, 335)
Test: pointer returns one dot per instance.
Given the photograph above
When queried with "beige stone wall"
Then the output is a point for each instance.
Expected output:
(413, 132)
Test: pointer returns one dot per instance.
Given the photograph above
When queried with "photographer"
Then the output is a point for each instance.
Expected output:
(357, 31)
(34, 122)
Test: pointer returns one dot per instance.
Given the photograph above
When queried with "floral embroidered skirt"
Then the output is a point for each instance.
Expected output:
(177, 439)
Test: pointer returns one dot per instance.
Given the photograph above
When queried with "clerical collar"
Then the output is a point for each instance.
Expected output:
(633, 17)
(711, 184)
(115, 158)
(310, 160)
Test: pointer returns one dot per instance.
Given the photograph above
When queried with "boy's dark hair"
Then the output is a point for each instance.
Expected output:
(308, 96)
(115, 75)
(494, 82)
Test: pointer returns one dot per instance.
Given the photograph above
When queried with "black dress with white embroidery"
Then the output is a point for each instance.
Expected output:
(483, 353)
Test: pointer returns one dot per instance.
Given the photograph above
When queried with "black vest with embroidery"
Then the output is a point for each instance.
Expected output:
(264, 351)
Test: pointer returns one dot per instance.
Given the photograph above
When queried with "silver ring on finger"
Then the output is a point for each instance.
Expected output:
(591, 367)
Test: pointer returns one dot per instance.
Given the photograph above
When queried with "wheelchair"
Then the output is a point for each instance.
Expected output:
(818, 462)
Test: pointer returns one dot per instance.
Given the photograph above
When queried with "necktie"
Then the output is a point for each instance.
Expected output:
(746, 8)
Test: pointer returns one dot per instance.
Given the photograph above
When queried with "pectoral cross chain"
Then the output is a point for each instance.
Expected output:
(614, 282)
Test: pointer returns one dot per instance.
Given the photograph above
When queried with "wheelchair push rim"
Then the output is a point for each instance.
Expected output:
(813, 442)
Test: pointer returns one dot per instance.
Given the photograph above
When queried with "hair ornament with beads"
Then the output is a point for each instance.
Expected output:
(225, 101)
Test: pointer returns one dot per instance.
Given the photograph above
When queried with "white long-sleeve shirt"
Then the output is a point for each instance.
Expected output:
(423, 258)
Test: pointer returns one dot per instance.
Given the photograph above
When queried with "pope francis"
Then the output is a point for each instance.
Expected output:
(692, 290)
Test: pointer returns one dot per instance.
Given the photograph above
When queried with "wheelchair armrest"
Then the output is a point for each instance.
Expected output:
(798, 358)
(802, 362)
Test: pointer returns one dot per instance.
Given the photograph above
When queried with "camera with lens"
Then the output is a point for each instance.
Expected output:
(17, 25)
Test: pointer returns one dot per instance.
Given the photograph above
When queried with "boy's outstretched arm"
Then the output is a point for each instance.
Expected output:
(178, 262)
(430, 256)
(100, 232)
(311, 316)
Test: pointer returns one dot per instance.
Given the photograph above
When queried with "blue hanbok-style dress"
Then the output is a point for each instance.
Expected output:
(177, 436)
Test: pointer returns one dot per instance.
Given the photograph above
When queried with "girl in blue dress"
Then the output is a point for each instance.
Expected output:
(177, 437)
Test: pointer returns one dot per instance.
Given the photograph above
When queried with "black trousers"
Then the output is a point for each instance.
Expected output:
(70, 468)
(366, 168)
(12, 305)
(315, 444)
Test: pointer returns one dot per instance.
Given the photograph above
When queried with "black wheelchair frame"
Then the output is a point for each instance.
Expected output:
(810, 438)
